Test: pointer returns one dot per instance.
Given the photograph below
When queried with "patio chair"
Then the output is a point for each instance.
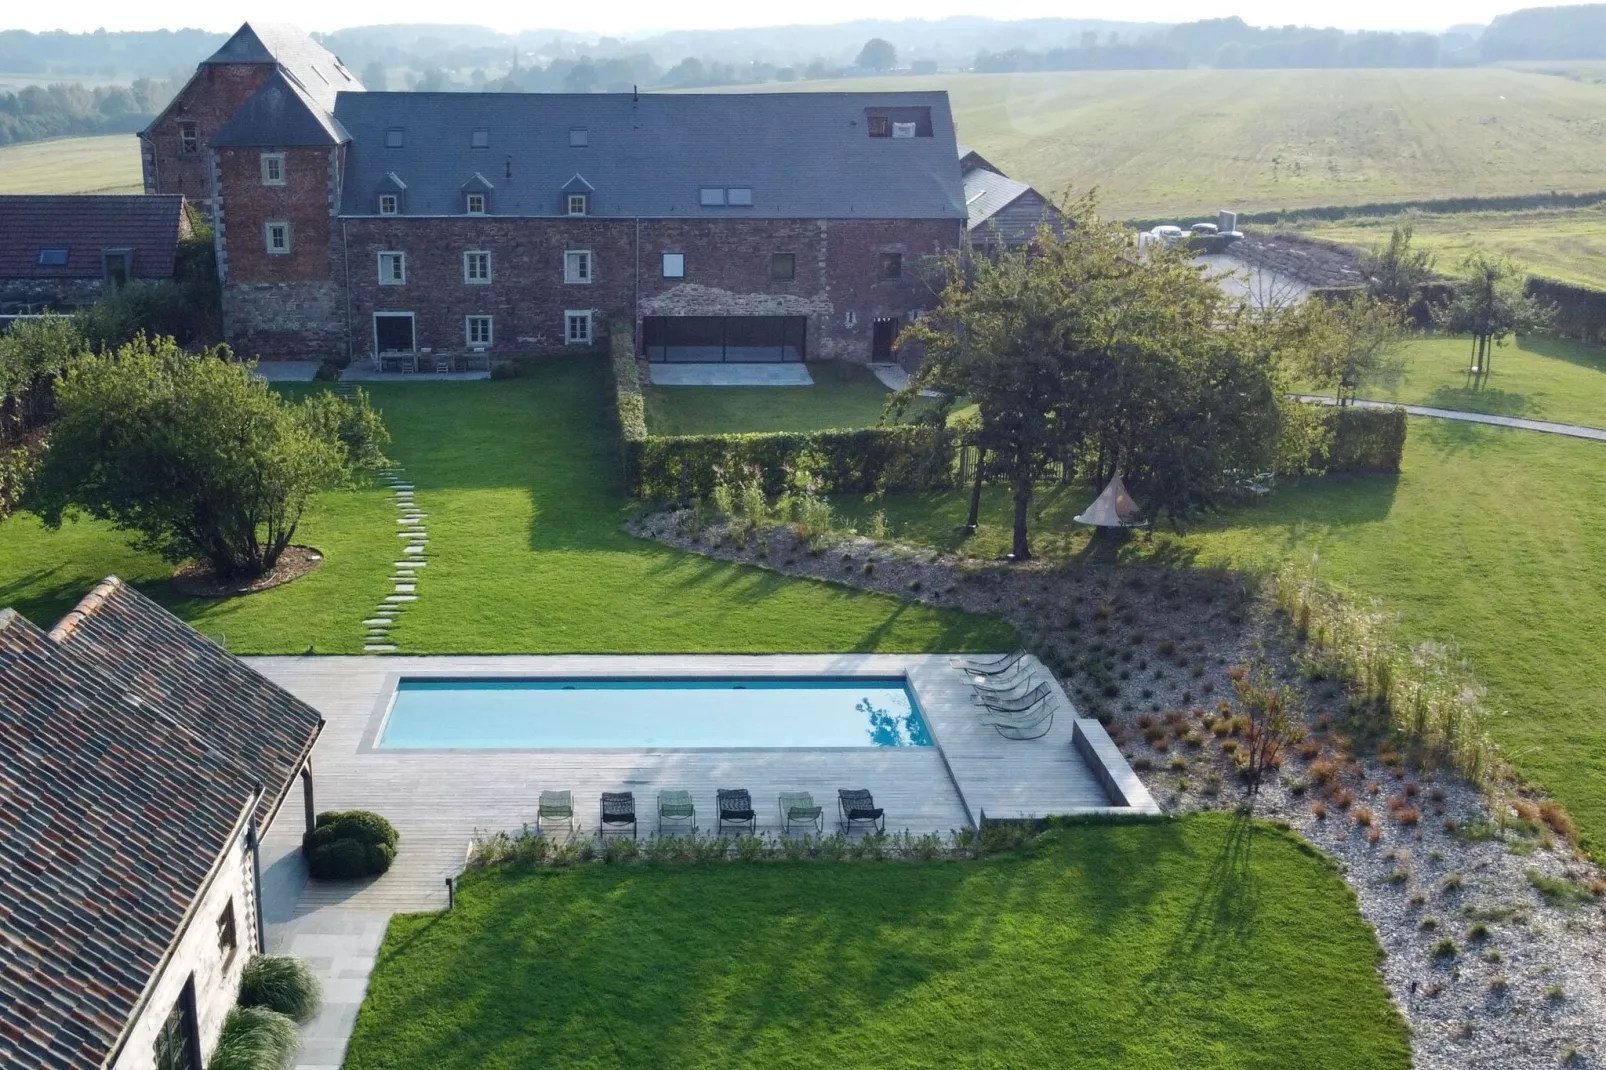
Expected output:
(618, 810)
(676, 806)
(735, 806)
(555, 806)
(1031, 723)
(857, 806)
(1016, 703)
(797, 807)
(992, 666)
(1001, 687)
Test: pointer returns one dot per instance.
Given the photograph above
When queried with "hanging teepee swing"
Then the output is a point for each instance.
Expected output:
(1114, 508)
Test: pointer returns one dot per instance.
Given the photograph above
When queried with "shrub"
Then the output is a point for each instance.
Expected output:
(1445, 949)
(255, 1038)
(507, 369)
(1319, 809)
(1560, 822)
(1365, 440)
(327, 372)
(344, 845)
(280, 983)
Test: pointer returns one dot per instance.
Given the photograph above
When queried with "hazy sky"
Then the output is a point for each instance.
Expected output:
(626, 16)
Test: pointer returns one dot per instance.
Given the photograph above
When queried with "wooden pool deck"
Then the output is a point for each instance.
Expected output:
(437, 799)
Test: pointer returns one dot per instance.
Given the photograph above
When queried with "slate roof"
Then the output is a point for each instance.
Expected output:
(987, 193)
(84, 225)
(319, 71)
(112, 814)
(280, 113)
(803, 155)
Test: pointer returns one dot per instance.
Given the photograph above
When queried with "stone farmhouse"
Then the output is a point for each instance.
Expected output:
(138, 763)
(61, 251)
(447, 230)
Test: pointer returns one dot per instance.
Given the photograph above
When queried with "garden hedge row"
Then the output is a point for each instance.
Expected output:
(1365, 440)
(859, 461)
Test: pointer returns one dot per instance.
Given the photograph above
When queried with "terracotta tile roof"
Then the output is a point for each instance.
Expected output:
(112, 814)
(84, 225)
(150, 653)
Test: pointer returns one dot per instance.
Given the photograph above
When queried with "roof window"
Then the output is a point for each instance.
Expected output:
(55, 256)
(902, 122)
(480, 139)
(711, 196)
(393, 138)
(579, 137)
(739, 196)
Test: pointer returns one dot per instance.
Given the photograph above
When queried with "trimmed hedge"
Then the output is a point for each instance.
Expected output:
(281, 983)
(857, 461)
(346, 844)
(1365, 440)
(1441, 206)
(255, 1038)
(1580, 311)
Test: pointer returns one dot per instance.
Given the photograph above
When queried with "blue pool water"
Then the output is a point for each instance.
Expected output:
(777, 712)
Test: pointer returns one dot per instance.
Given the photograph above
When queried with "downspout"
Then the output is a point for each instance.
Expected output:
(254, 841)
(635, 312)
(345, 259)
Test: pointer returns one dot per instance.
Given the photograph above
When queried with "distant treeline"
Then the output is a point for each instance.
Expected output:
(1230, 44)
(67, 110)
(1547, 33)
(60, 56)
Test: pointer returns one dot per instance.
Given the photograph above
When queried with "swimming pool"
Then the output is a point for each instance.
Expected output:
(502, 713)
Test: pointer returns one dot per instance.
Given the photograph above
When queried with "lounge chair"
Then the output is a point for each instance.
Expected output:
(1022, 675)
(555, 806)
(857, 806)
(797, 807)
(1031, 723)
(618, 810)
(735, 806)
(1015, 703)
(993, 666)
(676, 806)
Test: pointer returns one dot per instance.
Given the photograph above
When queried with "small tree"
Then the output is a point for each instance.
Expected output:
(1354, 343)
(1272, 725)
(194, 455)
(877, 54)
(1396, 272)
(32, 355)
(1491, 304)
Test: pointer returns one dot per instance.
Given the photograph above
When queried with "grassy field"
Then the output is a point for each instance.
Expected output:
(1539, 378)
(1185, 143)
(1206, 943)
(526, 554)
(843, 395)
(1568, 244)
(108, 164)
(1489, 536)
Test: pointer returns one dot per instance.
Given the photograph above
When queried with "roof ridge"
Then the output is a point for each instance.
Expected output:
(87, 606)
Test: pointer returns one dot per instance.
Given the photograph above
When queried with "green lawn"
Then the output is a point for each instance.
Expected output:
(1201, 943)
(1561, 243)
(522, 488)
(1539, 378)
(104, 164)
(843, 395)
(1491, 536)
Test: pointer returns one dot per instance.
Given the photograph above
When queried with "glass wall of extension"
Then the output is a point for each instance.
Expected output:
(724, 339)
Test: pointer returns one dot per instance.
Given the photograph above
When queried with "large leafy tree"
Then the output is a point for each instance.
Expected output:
(195, 456)
(1397, 271)
(1491, 304)
(878, 54)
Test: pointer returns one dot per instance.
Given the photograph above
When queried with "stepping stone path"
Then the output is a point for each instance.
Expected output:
(377, 638)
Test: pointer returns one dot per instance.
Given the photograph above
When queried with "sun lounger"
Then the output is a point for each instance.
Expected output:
(1031, 723)
(987, 690)
(735, 806)
(857, 807)
(555, 806)
(676, 806)
(798, 807)
(1016, 703)
(618, 810)
(988, 666)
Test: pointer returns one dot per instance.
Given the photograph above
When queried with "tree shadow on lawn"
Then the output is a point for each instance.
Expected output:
(1490, 400)
(1220, 921)
(1578, 353)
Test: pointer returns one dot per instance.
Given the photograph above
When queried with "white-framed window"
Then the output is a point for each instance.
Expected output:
(739, 196)
(277, 235)
(477, 330)
(577, 266)
(392, 269)
(711, 196)
(474, 204)
(480, 139)
(189, 139)
(579, 137)
(577, 327)
(576, 203)
(674, 265)
(477, 267)
(273, 168)
(850, 318)
(388, 203)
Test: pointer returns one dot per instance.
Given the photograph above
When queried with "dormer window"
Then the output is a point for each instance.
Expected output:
(389, 203)
(576, 203)
(393, 138)
(474, 203)
(880, 126)
(579, 137)
(899, 122)
(480, 139)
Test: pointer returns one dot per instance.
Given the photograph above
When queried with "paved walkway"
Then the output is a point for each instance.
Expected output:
(893, 377)
(1549, 428)
(286, 371)
(778, 374)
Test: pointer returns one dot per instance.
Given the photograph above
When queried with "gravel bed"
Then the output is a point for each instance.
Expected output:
(1525, 984)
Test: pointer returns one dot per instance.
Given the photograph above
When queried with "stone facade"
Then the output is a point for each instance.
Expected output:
(207, 101)
(24, 296)
(199, 956)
